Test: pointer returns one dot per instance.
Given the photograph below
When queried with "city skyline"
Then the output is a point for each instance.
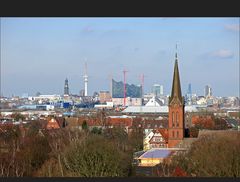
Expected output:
(37, 54)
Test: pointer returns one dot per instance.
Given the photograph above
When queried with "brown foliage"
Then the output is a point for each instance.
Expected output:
(213, 155)
(179, 172)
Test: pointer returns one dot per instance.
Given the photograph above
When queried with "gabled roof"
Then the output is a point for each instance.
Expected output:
(163, 133)
(53, 124)
(154, 102)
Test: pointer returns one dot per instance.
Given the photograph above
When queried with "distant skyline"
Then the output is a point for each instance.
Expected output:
(38, 54)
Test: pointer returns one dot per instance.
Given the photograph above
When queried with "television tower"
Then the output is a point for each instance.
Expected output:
(85, 76)
(124, 75)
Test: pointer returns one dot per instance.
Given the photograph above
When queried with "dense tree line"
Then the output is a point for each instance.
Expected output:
(34, 151)
(213, 155)
(20, 154)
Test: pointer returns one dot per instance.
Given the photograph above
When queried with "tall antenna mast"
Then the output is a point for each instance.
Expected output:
(85, 69)
(85, 80)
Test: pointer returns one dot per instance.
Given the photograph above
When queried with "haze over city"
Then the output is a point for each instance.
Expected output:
(37, 54)
(120, 97)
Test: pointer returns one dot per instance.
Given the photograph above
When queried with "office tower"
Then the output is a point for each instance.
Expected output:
(161, 90)
(207, 91)
(156, 90)
(82, 93)
(188, 98)
(189, 89)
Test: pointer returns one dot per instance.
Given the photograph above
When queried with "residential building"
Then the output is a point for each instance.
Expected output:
(155, 138)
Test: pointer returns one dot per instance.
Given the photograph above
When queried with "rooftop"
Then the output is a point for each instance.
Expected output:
(156, 153)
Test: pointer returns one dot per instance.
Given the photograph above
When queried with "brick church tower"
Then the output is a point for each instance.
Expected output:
(176, 128)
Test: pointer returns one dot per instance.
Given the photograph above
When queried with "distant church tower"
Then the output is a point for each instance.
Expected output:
(66, 88)
(176, 128)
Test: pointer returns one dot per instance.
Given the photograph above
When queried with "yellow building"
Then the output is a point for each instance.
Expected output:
(154, 156)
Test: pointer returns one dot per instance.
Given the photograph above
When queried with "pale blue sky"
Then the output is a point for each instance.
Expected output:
(37, 54)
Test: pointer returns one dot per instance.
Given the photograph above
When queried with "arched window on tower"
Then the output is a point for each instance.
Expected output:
(173, 122)
(177, 119)
(173, 134)
(177, 134)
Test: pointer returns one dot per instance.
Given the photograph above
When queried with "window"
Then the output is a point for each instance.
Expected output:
(177, 134)
(157, 139)
(173, 124)
(173, 134)
(177, 121)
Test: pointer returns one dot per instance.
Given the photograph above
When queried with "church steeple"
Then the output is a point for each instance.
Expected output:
(176, 85)
(176, 126)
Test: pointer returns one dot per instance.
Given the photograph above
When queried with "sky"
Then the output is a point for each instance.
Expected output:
(38, 54)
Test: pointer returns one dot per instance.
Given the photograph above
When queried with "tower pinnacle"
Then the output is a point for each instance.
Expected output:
(176, 52)
(176, 86)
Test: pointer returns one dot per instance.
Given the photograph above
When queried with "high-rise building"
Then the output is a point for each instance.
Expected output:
(82, 93)
(161, 90)
(207, 91)
(156, 90)
(188, 98)
(66, 88)
(189, 89)
(176, 126)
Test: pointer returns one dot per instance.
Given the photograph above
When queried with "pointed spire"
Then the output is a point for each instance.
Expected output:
(176, 85)
(176, 52)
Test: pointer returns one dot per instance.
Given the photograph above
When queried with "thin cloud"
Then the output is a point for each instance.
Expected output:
(222, 53)
(116, 32)
(232, 27)
(88, 29)
(136, 49)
